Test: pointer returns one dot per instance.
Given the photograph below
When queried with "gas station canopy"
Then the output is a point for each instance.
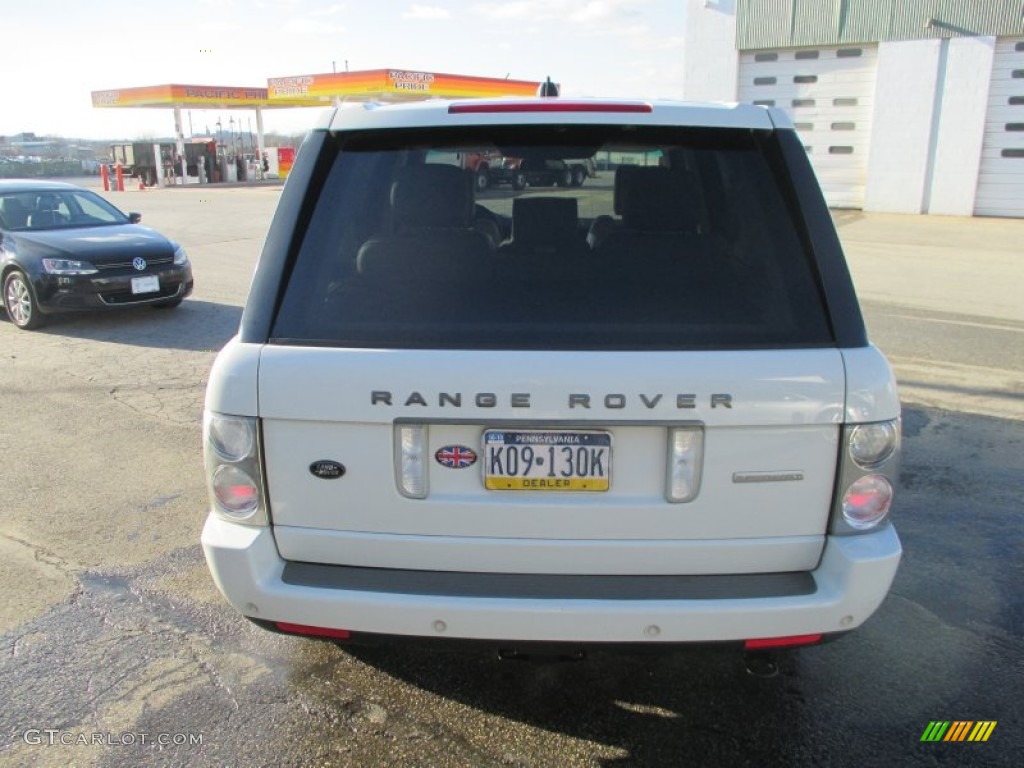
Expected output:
(316, 91)
(194, 97)
(392, 85)
(321, 90)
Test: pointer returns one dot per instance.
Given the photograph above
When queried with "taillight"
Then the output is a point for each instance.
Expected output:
(868, 469)
(232, 437)
(867, 501)
(872, 444)
(233, 471)
(236, 493)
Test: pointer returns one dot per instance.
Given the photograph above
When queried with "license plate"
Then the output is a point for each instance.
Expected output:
(546, 460)
(148, 284)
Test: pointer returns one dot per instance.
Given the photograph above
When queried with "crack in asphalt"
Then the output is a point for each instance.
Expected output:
(43, 555)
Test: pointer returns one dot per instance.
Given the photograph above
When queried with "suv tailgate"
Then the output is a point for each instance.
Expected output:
(770, 421)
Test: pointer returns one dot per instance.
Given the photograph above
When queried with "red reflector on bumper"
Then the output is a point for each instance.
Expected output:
(302, 629)
(547, 106)
(782, 642)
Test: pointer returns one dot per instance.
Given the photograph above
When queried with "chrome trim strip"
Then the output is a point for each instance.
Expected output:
(150, 300)
(781, 476)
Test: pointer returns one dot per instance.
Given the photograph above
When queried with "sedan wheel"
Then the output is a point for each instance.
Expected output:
(20, 304)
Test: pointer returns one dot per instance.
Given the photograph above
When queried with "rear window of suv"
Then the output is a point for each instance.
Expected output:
(652, 238)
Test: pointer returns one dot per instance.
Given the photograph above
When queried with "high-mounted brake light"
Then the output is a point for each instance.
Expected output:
(548, 105)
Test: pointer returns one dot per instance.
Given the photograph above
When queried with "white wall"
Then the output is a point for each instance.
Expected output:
(710, 60)
(961, 126)
(901, 132)
(931, 98)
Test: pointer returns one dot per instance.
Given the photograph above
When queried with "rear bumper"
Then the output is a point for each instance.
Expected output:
(849, 584)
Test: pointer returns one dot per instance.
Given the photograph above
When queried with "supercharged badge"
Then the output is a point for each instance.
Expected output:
(455, 456)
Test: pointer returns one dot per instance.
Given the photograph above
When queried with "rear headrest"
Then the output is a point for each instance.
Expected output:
(544, 221)
(432, 196)
(658, 199)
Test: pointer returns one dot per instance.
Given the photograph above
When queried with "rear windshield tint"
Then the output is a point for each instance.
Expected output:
(552, 238)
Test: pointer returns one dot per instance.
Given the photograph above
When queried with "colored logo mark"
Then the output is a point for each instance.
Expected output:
(958, 730)
(455, 457)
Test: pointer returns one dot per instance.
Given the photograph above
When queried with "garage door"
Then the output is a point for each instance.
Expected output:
(1001, 177)
(829, 94)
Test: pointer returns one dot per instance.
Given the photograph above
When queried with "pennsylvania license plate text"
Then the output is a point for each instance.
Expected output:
(542, 460)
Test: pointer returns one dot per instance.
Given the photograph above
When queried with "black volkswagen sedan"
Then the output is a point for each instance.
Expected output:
(64, 248)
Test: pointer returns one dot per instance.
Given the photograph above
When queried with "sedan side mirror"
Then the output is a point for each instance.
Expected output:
(134, 218)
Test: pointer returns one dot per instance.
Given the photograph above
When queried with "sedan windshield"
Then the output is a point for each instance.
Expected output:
(40, 209)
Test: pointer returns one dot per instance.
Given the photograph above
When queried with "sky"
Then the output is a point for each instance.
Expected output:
(55, 53)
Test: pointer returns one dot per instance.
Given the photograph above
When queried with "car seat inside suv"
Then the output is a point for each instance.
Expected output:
(434, 238)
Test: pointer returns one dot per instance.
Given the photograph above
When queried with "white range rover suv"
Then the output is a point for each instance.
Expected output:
(643, 411)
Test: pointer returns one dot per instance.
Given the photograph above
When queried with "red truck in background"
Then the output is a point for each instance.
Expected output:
(491, 169)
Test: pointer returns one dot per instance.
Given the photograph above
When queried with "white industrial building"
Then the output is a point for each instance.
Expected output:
(906, 106)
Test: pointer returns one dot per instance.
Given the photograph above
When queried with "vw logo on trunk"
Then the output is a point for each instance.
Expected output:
(139, 263)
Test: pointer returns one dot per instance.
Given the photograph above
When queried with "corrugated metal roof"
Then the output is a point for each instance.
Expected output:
(797, 23)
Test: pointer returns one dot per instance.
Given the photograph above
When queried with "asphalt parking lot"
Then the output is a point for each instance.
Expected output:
(113, 633)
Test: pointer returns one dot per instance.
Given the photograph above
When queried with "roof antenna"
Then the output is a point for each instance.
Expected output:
(547, 89)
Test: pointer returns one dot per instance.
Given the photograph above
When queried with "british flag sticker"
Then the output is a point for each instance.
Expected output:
(455, 456)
